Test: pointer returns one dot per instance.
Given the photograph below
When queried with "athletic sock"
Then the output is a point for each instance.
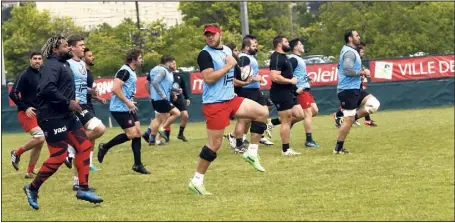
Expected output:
(367, 118)
(19, 151)
(309, 138)
(119, 139)
(136, 146)
(285, 147)
(339, 145)
(182, 128)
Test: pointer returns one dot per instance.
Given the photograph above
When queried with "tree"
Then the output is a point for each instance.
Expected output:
(390, 29)
(26, 30)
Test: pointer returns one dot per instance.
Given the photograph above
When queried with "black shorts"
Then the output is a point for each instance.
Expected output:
(86, 114)
(162, 106)
(125, 119)
(252, 94)
(180, 104)
(283, 99)
(352, 98)
(58, 130)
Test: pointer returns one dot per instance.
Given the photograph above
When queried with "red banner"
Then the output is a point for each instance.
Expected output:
(412, 68)
(321, 74)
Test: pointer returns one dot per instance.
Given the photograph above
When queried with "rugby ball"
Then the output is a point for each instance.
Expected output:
(245, 72)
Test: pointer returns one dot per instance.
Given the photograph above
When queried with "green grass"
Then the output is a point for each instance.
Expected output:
(402, 170)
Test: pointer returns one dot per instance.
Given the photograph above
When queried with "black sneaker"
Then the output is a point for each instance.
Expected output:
(69, 162)
(76, 188)
(140, 169)
(15, 160)
(182, 137)
(341, 151)
(240, 149)
(101, 152)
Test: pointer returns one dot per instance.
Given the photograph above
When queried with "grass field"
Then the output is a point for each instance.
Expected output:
(402, 170)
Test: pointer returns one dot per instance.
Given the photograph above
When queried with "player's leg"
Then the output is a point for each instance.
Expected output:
(126, 122)
(249, 109)
(185, 117)
(309, 106)
(57, 143)
(174, 115)
(369, 105)
(35, 152)
(239, 131)
(136, 147)
(78, 139)
(94, 129)
(29, 125)
(349, 100)
(217, 116)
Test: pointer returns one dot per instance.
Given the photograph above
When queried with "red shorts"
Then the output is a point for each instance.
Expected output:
(26, 122)
(217, 115)
(305, 99)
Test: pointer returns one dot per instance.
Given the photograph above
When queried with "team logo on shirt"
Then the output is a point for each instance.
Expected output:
(223, 57)
(130, 121)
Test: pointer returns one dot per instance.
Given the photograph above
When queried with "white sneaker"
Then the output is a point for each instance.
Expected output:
(232, 141)
(290, 152)
(266, 141)
(356, 123)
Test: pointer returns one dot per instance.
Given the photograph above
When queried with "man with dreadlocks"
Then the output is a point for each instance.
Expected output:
(56, 107)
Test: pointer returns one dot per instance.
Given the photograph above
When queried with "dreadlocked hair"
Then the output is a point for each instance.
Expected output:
(51, 43)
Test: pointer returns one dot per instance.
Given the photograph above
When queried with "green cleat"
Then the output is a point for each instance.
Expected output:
(198, 189)
(254, 161)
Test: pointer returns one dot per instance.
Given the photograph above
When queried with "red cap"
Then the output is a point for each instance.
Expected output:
(212, 29)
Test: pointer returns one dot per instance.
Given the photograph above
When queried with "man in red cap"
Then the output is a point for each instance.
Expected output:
(219, 104)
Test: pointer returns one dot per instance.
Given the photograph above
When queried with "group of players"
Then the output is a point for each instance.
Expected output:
(61, 90)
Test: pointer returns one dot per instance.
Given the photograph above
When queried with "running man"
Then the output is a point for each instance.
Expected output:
(248, 89)
(349, 90)
(93, 126)
(219, 103)
(159, 83)
(282, 93)
(180, 99)
(23, 94)
(305, 99)
(56, 107)
(124, 111)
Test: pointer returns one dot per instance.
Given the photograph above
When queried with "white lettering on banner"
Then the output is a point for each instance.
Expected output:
(425, 69)
(264, 81)
(197, 85)
(324, 76)
(104, 87)
(446, 66)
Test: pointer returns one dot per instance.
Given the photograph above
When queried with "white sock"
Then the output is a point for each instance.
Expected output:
(198, 178)
(253, 149)
(244, 137)
(91, 156)
(75, 180)
(71, 151)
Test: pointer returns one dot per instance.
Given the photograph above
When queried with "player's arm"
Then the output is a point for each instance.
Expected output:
(119, 80)
(348, 66)
(147, 84)
(294, 64)
(184, 89)
(48, 86)
(209, 74)
(275, 71)
(14, 94)
(156, 83)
